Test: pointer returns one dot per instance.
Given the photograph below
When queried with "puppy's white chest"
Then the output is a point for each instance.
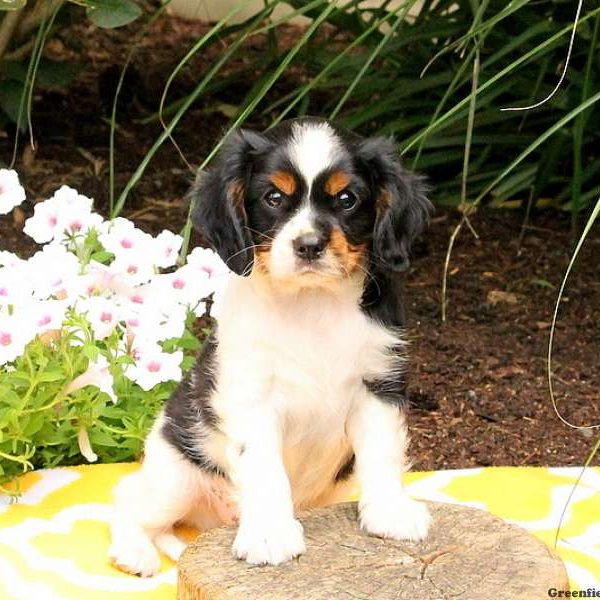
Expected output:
(303, 359)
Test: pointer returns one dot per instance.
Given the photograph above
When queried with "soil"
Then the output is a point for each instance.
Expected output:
(478, 386)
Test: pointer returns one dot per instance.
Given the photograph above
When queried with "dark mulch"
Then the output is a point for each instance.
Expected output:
(478, 382)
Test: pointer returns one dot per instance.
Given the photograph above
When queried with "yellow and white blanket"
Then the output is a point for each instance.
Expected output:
(54, 540)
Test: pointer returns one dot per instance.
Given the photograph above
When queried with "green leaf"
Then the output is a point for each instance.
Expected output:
(543, 283)
(12, 4)
(48, 376)
(16, 70)
(91, 351)
(11, 92)
(11, 398)
(109, 14)
(34, 424)
(98, 437)
(54, 74)
(102, 256)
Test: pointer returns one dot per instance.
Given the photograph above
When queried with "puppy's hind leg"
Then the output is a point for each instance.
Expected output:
(147, 505)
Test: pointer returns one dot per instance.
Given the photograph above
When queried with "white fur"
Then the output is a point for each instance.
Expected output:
(285, 265)
(282, 258)
(313, 148)
(379, 438)
(290, 365)
(167, 489)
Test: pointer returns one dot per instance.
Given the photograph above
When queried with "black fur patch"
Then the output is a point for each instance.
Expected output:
(391, 387)
(189, 412)
(346, 470)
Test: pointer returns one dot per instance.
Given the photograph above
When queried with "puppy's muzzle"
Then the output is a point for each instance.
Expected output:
(309, 247)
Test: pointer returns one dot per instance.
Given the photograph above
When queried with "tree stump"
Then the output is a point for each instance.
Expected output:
(468, 554)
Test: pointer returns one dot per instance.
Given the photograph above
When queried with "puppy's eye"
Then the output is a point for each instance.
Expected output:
(347, 200)
(274, 198)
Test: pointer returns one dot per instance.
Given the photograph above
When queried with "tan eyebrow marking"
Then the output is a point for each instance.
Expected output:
(284, 182)
(336, 182)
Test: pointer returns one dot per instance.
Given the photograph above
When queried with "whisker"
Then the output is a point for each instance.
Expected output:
(370, 276)
(252, 247)
(259, 233)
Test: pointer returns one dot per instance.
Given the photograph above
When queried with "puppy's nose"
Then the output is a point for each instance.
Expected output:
(309, 246)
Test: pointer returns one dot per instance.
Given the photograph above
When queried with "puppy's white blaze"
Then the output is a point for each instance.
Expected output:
(283, 258)
(313, 148)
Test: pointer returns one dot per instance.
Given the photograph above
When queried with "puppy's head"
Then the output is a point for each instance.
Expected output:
(308, 202)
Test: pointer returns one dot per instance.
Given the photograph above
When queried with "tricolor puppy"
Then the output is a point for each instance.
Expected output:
(300, 390)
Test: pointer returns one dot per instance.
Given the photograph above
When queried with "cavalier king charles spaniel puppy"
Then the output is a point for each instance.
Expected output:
(299, 393)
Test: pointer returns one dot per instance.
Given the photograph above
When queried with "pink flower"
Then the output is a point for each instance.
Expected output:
(11, 191)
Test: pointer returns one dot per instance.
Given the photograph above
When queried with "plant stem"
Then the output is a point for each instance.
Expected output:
(37, 15)
(8, 27)
(20, 52)
(578, 130)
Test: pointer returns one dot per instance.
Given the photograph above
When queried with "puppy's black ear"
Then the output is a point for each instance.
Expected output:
(402, 206)
(219, 199)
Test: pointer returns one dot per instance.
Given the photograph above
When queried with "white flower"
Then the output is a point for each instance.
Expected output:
(98, 375)
(153, 366)
(101, 279)
(47, 315)
(8, 259)
(77, 221)
(11, 191)
(121, 236)
(15, 286)
(206, 263)
(101, 313)
(69, 198)
(167, 245)
(136, 266)
(134, 299)
(66, 213)
(149, 323)
(186, 286)
(15, 334)
(52, 271)
(85, 446)
(43, 226)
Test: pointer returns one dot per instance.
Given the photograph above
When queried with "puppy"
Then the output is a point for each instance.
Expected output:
(300, 390)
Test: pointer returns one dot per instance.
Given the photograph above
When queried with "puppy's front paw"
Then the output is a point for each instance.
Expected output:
(399, 517)
(269, 542)
(136, 555)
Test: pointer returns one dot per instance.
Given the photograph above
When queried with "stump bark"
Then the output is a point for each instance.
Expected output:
(468, 554)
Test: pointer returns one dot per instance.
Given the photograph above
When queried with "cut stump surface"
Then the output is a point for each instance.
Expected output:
(468, 554)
